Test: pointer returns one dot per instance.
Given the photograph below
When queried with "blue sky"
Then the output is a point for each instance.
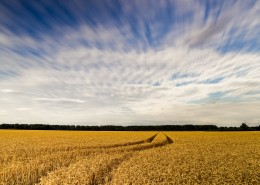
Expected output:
(130, 62)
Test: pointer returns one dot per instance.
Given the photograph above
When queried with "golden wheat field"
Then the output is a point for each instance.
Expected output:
(81, 157)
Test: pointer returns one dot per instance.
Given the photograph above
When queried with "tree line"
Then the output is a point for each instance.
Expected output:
(242, 127)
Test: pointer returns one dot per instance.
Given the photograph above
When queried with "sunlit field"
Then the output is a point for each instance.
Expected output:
(81, 157)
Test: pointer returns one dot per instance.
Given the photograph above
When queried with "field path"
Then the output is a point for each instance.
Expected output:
(104, 176)
(148, 140)
(99, 167)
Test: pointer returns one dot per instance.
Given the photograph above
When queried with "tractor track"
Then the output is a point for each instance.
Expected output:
(104, 176)
(108, 149)
(148, 140)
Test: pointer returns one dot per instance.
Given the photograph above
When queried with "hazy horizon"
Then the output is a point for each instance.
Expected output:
(184, 62)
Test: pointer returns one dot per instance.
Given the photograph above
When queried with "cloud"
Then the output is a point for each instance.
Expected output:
(7, 91)
(23, 109)
(169, 64)
(119, 86)
(2, 112)
(190, 23)
(60, 100)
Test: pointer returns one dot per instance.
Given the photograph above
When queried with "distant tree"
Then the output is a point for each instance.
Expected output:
(244, 126)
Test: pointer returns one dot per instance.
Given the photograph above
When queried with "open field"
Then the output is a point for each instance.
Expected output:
(74, 157)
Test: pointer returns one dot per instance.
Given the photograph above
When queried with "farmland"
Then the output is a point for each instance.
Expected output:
(77, 157)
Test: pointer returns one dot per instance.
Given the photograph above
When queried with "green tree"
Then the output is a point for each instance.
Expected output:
(244, 126)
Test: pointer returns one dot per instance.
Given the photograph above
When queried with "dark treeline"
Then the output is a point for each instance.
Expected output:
(243, 127)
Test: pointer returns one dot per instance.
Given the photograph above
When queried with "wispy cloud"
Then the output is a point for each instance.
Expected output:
(60, 100)
(23, 109)
(7, 91)
(173, 61)
(2, 112)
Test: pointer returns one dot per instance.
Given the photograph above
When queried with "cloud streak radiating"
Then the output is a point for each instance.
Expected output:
(120, 62)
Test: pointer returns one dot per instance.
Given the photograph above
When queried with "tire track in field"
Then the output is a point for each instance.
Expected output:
(105, 175)
(170, 140)
(130, 148)
(148, 140)
(122, 147)
(83, 148)
(87, 150)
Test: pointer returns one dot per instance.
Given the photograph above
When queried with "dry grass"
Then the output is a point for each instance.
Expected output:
(73, 157)
(196, 158)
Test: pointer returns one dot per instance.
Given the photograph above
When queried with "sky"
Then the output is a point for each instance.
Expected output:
(123, 62)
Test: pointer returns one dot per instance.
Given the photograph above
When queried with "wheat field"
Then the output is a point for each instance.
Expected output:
(81, 157)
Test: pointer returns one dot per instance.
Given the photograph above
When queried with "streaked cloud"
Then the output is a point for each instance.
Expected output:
(7, 91)
(2, 112)
(60, 100)
(134, 62)
(23, 109)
